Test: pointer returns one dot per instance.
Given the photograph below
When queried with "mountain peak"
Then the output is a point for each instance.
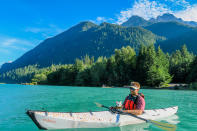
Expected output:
(136, 21)
(136, 17)
(82, 26)
(85, 25)
(168, 17)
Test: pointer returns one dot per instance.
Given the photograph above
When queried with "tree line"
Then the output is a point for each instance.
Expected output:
(149, 65)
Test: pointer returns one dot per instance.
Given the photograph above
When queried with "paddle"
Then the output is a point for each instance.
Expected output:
(164, 126)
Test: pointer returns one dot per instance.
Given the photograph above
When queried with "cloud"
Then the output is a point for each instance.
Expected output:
(144, 8)
(49, 31)
(11, 41)
(151, 9)
(183, 3)
(7, 44)
(35, 30)
(102, 19)
(190, 14)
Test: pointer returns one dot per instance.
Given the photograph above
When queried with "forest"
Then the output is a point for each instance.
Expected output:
(150, 66)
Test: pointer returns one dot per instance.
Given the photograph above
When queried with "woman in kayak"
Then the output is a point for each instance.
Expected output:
(134, 103)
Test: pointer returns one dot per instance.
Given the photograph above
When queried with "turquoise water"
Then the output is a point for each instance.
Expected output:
(15, 99)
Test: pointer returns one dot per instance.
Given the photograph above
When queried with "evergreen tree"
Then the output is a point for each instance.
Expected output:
(180, 63)
(153, 66)
(83, 78)
(98, 72)
(150, 67)
(192, 76)
(110, 71)
(125, 59)
(140, 64)
(158, 73)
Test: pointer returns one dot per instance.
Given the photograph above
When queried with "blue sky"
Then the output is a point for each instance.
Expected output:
(24, 23)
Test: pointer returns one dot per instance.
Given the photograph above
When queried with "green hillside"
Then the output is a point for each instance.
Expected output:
(84, 38)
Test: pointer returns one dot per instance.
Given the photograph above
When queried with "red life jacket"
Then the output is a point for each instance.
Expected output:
(129, 105)
(130, 102)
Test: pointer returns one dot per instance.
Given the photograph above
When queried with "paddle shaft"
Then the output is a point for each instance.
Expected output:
(125, 113)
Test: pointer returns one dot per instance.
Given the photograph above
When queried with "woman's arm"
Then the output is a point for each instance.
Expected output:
(134, 112)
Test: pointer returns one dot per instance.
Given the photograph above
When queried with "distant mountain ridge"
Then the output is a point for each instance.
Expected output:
(169, 29)
(188, 38)
(139, 21)
(84, 38)
(176, 34)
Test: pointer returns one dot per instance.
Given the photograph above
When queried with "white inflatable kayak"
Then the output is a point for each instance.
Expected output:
(100, 119)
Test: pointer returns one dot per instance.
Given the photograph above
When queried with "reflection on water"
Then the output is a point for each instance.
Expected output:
(137, 127)
(172, 119)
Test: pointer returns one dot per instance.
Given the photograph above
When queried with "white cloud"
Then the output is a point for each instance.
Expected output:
(102, 19)
(183, 3)
(7, 44)
(13, 41)
(144, 8)
(49, 31)
(190, 14)
(151, 9)
(34, 29)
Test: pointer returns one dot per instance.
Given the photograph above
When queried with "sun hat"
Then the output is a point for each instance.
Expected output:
(134, 85)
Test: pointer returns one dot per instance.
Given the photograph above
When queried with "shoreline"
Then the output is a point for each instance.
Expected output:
(170, 87)
(174, 87)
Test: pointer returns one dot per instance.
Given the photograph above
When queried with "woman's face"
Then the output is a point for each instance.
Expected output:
(134, 92)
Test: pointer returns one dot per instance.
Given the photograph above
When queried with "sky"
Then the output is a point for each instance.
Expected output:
(26, 23)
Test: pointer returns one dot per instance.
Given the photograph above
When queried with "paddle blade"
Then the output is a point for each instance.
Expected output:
(98, 104)
(164, 126)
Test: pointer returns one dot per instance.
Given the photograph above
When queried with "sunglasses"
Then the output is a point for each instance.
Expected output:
(132, 89)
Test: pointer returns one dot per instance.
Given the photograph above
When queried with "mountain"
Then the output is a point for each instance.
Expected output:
(139, 21)
(176, 35)
(176, 31)
(166, 18)
(84, 38)
(136, 21)
(188, 38)
(169, 29)
(171, 18)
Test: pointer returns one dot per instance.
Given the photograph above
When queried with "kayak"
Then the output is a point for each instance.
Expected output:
(99, 119)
